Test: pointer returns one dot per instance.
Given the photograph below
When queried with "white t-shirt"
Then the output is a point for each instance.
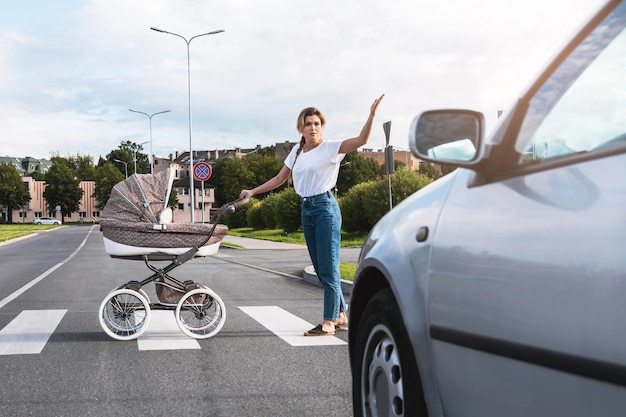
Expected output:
(315, 171)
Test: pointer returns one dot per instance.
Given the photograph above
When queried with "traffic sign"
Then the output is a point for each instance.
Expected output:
(387, 129)
(202, 171)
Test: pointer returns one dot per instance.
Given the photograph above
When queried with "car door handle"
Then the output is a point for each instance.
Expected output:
(422, 234)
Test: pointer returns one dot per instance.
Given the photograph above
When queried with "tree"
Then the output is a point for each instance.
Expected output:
(263, 167)
(173, 201)
(13, 191)
(429, 170)
(82, 165)
(126, 152)
(355, 170)
(85, 169)
(62, 187)
(107, 175)
(229, 177)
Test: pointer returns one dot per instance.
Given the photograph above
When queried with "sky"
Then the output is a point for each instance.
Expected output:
(70, 70)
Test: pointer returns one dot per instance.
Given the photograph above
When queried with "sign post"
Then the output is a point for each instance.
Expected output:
(389, 165)
(202, 172)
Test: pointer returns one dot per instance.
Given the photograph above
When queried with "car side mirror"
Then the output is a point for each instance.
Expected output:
(449, 137)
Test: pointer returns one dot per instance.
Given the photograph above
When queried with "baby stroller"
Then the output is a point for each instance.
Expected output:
(137, 225)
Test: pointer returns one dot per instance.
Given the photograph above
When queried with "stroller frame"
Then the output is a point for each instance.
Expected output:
(200, 313)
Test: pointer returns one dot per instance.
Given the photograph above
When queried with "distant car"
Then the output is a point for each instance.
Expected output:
(500, 289)
(46, 220)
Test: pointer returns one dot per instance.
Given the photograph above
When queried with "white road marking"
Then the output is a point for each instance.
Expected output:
(288, 327)
(29, 332)
(164, 334)
(22, 290)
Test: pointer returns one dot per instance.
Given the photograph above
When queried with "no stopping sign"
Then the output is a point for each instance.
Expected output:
(202, 171)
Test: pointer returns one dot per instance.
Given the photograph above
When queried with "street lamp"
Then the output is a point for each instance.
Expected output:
(191, 188)
(135, 153)
(150, 117)
(125, 166)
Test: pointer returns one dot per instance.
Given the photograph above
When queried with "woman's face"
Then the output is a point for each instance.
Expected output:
(312, 129)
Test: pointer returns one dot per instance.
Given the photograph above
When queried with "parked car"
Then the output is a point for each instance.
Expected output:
(46, 220)
(500, 289)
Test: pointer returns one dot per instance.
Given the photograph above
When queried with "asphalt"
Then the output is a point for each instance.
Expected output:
(308, 273)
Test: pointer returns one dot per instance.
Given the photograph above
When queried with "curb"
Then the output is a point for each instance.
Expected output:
(310, 276)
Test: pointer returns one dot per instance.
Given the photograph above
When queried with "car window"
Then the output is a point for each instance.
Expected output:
(581, 107)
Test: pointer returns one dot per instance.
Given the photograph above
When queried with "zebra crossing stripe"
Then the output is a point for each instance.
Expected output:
(164, 334)
(288, 327)
(29, 332)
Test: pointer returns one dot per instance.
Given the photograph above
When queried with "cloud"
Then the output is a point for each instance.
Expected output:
(69, 75)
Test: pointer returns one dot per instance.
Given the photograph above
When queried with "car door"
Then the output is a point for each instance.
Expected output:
(527, 289)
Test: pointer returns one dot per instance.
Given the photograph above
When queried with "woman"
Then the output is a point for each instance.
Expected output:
(314, 167)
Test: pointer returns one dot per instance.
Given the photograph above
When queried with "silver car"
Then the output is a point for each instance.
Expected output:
(46, 220)
(500, 289)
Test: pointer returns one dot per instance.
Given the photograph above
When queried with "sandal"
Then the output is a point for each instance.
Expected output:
(318, 331)
(341, 327)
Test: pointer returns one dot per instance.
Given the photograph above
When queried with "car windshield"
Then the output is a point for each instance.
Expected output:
(581, 106)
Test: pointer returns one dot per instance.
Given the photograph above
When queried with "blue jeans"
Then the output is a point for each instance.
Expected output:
(321, 223)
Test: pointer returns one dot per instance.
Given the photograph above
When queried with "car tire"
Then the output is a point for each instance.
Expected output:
(385, 379)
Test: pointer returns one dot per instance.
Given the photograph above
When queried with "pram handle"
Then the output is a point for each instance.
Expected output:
(241, 201)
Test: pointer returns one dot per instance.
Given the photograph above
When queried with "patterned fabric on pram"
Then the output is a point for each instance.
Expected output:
(136, 221)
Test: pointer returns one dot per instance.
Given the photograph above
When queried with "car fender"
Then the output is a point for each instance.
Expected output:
(393, 257)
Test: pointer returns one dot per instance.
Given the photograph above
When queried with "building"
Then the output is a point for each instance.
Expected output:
(37, 207)
(27, 165)
(398, 155)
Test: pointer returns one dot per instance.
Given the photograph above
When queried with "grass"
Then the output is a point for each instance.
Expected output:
(15, 230)
(348, 240)
(347, 269)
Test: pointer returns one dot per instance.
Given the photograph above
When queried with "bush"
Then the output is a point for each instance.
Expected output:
(353, 210)
(254, 215)
(268, 211)
(366, 203)
(288, 210)
(238, 218)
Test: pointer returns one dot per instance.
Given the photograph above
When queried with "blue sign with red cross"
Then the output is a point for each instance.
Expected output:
(202, 171)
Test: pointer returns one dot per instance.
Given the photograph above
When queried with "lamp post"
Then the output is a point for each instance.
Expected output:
(135, 153)
(191, 188)
(151, 159)
(125, 166)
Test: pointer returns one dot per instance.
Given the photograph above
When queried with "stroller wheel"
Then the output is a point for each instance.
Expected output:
(200, 313)
(124, 314)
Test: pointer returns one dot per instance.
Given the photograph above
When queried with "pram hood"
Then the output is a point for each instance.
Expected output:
(140, 197)
(132, 222)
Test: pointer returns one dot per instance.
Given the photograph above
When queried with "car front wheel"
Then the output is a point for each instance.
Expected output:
(385, 381)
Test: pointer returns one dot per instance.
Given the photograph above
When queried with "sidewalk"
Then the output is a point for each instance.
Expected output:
(308, 274)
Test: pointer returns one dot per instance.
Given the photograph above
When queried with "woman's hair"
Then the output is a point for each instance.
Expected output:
(309, 111)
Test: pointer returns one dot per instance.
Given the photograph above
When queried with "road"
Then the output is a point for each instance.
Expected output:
(55, 360)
